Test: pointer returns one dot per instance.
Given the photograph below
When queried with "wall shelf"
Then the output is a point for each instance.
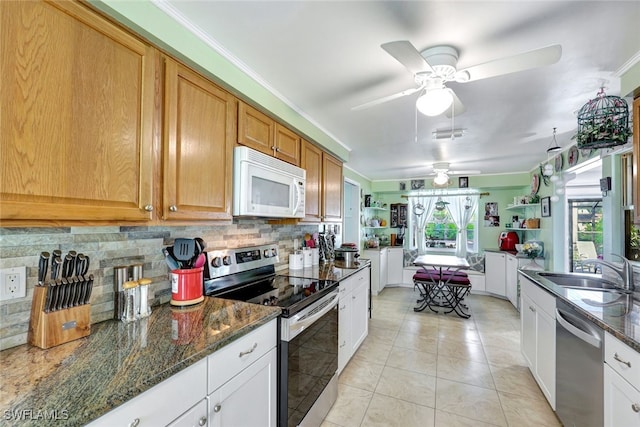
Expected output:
(522, 206)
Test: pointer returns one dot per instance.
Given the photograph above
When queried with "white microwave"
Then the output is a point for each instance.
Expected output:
(264, 186)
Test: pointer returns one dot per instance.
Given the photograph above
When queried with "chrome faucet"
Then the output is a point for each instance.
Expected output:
(625, 272)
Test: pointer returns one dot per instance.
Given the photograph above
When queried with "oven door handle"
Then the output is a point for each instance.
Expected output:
(301, 322)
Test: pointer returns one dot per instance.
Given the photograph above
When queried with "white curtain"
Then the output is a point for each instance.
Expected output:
(462, 209)
(420, 209)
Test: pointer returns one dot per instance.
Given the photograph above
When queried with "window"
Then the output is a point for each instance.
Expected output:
(440, 231)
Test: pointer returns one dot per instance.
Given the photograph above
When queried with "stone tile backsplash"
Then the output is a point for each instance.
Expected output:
(113, 246)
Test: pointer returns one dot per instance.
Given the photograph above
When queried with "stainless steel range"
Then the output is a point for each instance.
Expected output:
(308, 342)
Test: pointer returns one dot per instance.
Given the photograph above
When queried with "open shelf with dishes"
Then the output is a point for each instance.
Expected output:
(373, 219)
(525, 208)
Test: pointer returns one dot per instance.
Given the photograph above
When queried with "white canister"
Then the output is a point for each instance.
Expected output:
(307, 256)
(315, 252)
(296, 261)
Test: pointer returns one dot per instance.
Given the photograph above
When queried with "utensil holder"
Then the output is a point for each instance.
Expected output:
(50, 329)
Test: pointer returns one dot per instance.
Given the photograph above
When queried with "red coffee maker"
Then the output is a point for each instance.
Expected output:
(508, 240)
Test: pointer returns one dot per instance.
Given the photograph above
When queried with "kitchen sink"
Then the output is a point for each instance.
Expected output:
(577, 281)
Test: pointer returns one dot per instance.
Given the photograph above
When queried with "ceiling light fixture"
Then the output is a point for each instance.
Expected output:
(554, 147)
(448, 134)
(441, 179)
(434, 101)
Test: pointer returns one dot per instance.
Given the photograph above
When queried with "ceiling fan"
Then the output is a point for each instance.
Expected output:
(435, 66)
(441, 174)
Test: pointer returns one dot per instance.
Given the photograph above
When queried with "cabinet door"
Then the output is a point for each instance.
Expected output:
(384, 268)
(511, 279)
(394, 265)
(528, 331)
(249, 398)
(331, 188)
(621, 401)
(344, 327)
(636, 157)
(77, 115)
(495, 273)
(194, 417)
(198, 146)
(311, 161)
(287, 145)
(359, 312)
(255, 129)
(546, 355)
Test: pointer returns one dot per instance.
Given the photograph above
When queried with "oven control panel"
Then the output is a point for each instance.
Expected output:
(223, 262)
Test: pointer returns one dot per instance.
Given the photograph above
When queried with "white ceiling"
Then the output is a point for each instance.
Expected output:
(324, 57)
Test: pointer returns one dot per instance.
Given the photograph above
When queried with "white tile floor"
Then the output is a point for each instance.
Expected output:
(426, 369)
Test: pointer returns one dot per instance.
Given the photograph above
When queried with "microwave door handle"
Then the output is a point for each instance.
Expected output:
(298, 199)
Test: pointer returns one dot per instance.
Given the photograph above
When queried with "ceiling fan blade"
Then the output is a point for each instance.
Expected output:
(458, 106)
(513, 64)
(385, 99)
(407, 55)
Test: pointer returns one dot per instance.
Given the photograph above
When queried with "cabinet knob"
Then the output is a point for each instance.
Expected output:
(532, 309)
(135, 423)
(277, 150)
(202, 421)
(148, 208)
(173, 208)
(217, 408)
(635, 407)
(624, 362)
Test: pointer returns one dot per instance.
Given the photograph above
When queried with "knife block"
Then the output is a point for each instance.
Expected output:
(47, 330)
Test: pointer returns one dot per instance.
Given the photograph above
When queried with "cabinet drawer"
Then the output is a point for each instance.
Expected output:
(233, 358)
(163, 402)
(622, 359)
(539, 296)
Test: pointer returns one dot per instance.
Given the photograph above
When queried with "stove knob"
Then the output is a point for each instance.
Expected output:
(216, 262)
(226, 260)
(267, 253)
(274, 252)
(265, 301)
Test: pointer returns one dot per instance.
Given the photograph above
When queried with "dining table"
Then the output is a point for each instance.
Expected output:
(442, 283)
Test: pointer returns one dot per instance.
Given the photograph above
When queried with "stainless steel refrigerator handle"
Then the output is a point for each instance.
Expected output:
(574, 330)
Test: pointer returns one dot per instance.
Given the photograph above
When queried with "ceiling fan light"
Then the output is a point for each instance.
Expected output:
(441, 178)
(435, 101)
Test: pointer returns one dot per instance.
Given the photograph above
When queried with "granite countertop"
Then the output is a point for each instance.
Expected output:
(617, 315)
(514, 253)
(86, 378)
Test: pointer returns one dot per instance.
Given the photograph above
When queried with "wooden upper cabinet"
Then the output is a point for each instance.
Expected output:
(636, 159)
(311, 161)
(287, 145)
(260, 132)
(199, 132)
(76, 116)
(332, 188)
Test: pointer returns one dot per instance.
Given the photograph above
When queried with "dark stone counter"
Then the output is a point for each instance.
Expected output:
(84, 379)
(618, 316)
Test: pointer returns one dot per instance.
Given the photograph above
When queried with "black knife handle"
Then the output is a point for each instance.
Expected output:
(47, 303)
(87, 297)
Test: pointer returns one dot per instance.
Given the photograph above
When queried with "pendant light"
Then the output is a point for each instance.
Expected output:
(554, 147)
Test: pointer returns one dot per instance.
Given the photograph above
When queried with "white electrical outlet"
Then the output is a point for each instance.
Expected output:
(13, 283)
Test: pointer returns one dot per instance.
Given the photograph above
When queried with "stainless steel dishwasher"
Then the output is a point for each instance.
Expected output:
(579, 369)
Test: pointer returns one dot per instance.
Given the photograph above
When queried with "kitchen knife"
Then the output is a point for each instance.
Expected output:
(56, 267)
(75, 291)
(87, 297)
(74, 256)
(67, 266)
(54, 289)
(63, 293)
(82, 265)
(43, 266)
(47, 302)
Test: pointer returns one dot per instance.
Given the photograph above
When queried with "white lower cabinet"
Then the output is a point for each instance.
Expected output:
(379, 268)
(395, 265)
(353, 322)
(538, 336)
(511, 279)
(494, 270)
(621, 382)
(249, 398)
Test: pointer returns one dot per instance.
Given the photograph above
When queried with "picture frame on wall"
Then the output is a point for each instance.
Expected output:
(463, 182)
(545, 207)
(403, 186)
(417, 184)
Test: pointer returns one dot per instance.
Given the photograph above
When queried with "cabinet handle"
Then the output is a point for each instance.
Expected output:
(148, 208)
(635, 407)
(353, 297)
(532, 309)
(244, 353)
(173, 208)
(343, 307)
(135, 423)
(202, 421)
(624, 362)
(217, 408)
(343, 344)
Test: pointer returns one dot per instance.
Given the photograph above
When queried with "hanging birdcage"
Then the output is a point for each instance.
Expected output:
(603, 122)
